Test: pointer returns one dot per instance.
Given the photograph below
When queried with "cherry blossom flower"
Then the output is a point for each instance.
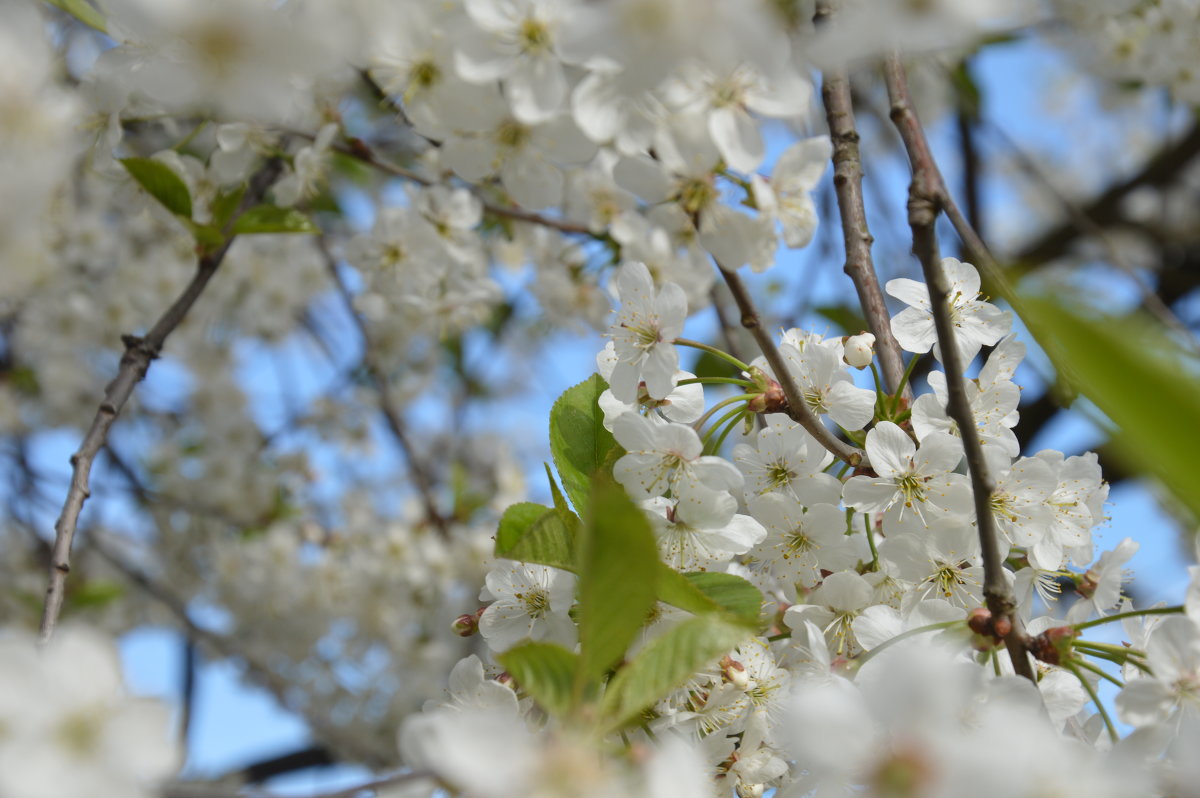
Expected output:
(976, 323)
(68, 727)
(911, 483)
(827, 387)
(800, 543)
(662, 456)
(786, 459)
(516, 41)
(705, 543)
(528, 601)
(644, 333)
(1173, 654)
(787, 197)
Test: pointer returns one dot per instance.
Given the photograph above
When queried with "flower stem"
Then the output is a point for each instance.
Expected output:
(712, 350)
(742, 397)
(1091, 691)
(733, 414)
(1079, 627)
(933, 627)
(871, 542)
(716, 381)
(908, 371)
(728, 429)
(1103, 674)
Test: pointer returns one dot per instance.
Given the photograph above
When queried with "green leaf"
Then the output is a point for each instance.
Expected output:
(731, 597)
(96, 593)
(707, 364)
(224, 205)
(850, 319)
(678, 591)
(161, 183)
(84, 12)
(534, 533)
(666, 663)
(618, 560)
(273, 219)
(1142, 381)
(206, 235)
(578, 440)
(732, 593)
(545, 671)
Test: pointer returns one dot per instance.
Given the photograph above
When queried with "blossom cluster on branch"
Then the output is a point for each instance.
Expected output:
(292, 267)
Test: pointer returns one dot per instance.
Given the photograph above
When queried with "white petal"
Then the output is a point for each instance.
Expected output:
(737, 138)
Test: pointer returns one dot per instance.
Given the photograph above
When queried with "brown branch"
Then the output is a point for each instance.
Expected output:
(387, 406)
(927, 195)
(360, 151)
(262, 673)
(376, 786)
(797, 408)
(1162, 169)
(1084, 223)
(856, 235)
(135, 362)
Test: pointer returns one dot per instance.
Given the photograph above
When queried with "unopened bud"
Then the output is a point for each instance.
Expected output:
(1053, 645)
(1003, 627)
(1086, 585)
(734, 672)
(468, 624)
(980, 620)
(859, 350)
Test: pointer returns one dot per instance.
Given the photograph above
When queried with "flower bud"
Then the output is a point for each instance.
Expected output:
(859, 350)
(466, 625)
(734, 672)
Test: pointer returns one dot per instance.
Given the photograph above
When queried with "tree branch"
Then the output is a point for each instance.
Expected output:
(375, 786)
(359, 150)
(1162, 169)
(395, 423)
(135, 362)
(797, 408)
(856, 235)
(927, 195)
(264, 675)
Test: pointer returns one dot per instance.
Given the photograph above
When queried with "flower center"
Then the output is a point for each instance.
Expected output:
(424, 75)
(1002, 507)
(779, 475)
(536, 601)
(912, 488)
(512, 135)
(798, 542)
(534, 36)
(695, 195)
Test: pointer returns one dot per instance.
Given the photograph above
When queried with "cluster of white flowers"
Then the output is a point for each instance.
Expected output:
(849, 564)
(66, 726)
(568, 137)
(1129, 41)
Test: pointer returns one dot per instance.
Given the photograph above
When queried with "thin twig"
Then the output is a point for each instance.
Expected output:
(387, 406)
(202, 790)
(135, 362)
(1151, 301)
(359, 150)
(264, 675)
(847, 183)
(797, 408)
(926, 196)
(1162, 169)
